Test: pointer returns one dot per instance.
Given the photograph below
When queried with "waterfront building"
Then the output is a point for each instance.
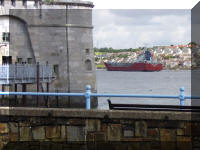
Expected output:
(57, 32)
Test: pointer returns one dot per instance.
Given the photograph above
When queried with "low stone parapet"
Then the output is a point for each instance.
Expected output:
(42, 128)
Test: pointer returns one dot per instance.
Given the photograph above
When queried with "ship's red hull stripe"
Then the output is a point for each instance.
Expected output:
(135, 67)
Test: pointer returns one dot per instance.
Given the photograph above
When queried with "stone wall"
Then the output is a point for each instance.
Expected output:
(28, 128)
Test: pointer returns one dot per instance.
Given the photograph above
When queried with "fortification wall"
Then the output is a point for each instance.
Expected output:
(34, 128)
(59, 32)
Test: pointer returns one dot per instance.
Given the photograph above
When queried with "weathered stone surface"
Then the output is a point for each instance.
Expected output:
(93, 125)
(128, 133)
(52, 132)
(184, 143)
(3, 128)
(75, 133)
(153, 132)
(187, 129)
(96, 137)
(45, 146)
(145, 145)
(168, 135)
(195, 128)
(140, 129)
(13, 137)
(13, 127)
(38, 133)
(180, 131)
(82, 113)
(127, 122)
(4, 138)
(114, 132)
(163, 138)
(184, 139)
(167, 145)
(104, 127)
(24, 124)
(63, 132)
(99, 137)
(25, 134)
(77, 122)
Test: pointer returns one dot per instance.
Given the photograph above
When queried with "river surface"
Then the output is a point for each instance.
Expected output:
(165, 82)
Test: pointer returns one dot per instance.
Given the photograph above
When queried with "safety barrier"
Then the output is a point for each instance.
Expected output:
(88, 94)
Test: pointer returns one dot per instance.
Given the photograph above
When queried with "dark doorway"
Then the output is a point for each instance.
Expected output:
(6, 59)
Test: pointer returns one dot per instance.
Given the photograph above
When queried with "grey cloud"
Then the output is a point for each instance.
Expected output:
(138, 27)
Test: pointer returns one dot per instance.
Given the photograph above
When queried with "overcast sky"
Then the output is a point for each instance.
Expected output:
(135, 23)
(130, 28)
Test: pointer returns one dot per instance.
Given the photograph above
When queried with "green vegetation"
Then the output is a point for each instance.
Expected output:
(111, 50)
(169, 57)
(100, 53)
(123, 56)
(100, 66)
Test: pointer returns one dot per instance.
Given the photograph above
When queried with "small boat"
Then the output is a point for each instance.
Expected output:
(144, 62)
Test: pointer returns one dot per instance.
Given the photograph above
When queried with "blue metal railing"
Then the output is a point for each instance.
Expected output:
(88, 94)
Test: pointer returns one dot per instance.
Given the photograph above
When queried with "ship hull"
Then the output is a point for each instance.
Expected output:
(135, 67)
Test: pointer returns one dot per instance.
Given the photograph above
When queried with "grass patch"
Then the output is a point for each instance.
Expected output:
(100, 66)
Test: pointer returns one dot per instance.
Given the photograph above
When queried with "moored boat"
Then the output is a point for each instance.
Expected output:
(144, 63)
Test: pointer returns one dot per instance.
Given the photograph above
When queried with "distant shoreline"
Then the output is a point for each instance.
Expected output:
(161, 70)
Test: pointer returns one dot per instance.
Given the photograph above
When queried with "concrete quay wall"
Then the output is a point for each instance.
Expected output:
(63, 129)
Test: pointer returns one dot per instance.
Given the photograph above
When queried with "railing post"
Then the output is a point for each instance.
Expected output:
(38, 83)
(182, 96)
(87, 96)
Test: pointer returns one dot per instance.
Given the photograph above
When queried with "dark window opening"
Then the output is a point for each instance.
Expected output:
(30, 60)
(1, 2)
(19, 60)
(6, 37)
(56, 70)
(6, 59)
(24, 3)
(88, 65)
(87, 51)
(36, 3)
(13, 2)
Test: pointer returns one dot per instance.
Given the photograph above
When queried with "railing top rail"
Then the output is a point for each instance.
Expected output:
(89, 94)
(95, 95)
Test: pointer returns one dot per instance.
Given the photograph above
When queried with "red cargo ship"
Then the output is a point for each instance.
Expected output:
(143, 63)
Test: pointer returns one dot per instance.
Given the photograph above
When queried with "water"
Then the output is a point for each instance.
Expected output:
(165, 82)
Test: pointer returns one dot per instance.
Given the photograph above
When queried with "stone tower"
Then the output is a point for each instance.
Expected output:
(55, 31)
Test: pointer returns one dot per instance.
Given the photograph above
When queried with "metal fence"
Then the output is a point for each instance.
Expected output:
(25, 73)
(88, 94)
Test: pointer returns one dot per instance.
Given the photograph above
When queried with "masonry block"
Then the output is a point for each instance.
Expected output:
(114, 132)
(13, 137)
(75, 133)
(180, 132)
(153, 132)
(25, 134)
(38, 133)
(63, 132)
(167, 135)
(3, 128)
(52, 132)
(167, 145)
(93, 125)
(128, 133)
(13, 127)
(76, 122)
(140, 129)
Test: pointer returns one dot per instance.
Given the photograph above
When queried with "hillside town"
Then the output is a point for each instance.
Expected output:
(172, 57)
